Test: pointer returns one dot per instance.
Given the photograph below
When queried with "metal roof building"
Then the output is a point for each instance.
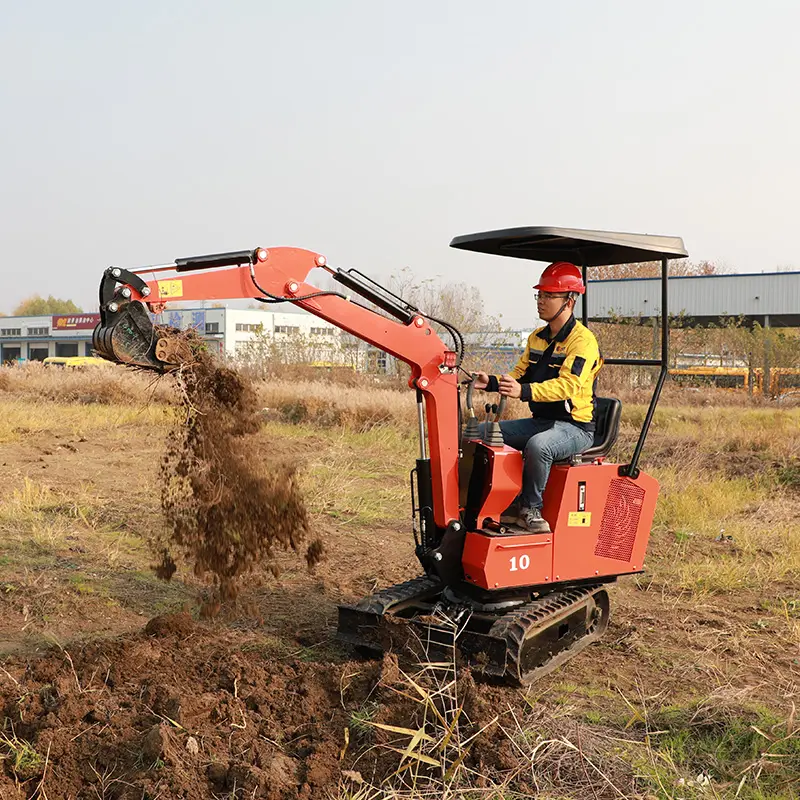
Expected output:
(771, 299)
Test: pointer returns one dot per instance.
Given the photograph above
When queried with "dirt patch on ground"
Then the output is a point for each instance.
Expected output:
(226, 509)
(194, 713)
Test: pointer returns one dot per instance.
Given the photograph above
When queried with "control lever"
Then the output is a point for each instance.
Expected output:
(472, 430)
(492, 435)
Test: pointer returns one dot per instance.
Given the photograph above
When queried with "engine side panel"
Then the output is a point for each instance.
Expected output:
(600, 526)
(601, 520)
(503, 562)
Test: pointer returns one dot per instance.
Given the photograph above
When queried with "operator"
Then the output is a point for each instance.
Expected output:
(555, 376)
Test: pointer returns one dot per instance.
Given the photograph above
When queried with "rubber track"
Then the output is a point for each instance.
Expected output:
(382, 601)
(514, 626)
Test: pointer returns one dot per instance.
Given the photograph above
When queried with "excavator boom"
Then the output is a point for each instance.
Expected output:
(126, 334)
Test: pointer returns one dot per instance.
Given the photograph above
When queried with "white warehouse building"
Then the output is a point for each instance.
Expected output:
(234, 331)
(230, 331)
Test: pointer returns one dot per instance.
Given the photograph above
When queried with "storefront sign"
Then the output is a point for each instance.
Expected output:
(75, 322)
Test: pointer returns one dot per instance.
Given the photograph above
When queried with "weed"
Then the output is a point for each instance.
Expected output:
(361, 718)
(719, 743)
(81, 585)
(23, 760)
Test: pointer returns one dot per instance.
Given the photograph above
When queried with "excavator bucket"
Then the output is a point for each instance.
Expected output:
(126, 333)
(128, 336)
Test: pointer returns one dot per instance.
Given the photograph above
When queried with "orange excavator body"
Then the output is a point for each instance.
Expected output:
(533, 600)
(600, 526)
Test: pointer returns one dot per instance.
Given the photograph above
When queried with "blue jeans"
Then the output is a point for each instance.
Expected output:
(542, 441)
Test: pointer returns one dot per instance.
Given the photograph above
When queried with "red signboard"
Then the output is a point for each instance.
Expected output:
(75, 322)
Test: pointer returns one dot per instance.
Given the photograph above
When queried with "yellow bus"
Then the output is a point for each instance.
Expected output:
(76, 362)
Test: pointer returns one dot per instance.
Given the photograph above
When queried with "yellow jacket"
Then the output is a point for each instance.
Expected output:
(564, 387)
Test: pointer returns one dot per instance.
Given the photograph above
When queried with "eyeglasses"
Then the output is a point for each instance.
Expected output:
(549, 296)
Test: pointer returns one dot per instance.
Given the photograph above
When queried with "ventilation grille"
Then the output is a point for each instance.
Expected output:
(620, 520)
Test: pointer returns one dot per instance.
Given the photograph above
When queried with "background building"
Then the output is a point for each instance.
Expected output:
(771, 299)
(36, 338)
(244, 334)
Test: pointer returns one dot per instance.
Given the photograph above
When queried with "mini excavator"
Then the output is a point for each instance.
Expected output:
(521, 603)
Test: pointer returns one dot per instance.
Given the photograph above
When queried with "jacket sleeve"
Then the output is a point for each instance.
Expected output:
(523, 363)
(578, 369)
(516, 373)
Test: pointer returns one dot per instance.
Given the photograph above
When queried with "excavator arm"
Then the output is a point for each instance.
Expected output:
(127, 335)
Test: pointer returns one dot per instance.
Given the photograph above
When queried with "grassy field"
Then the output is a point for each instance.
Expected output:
(691, 694)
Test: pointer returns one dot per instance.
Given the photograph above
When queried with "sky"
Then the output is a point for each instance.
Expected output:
(374, 132)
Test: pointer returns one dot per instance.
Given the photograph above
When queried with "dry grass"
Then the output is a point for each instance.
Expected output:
(35, 398)
(333, 405)
(640, 746)
(39, 525)
(20, 418)
(96, 385)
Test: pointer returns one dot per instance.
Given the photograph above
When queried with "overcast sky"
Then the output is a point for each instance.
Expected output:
(374, 132)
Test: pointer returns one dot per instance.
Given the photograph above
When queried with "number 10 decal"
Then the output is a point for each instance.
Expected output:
(524, 563)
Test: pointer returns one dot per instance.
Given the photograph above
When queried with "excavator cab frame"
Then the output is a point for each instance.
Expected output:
(586, 249)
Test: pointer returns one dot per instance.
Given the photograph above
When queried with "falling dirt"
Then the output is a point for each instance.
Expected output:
(227, 504)
(315, 553)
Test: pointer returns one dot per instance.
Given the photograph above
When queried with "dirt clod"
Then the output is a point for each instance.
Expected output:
(166, 568)
(315, 553)
(154, 743)
(170, 625)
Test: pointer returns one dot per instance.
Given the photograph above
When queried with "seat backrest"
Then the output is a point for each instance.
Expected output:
(608, 411)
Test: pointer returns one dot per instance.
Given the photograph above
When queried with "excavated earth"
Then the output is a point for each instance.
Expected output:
(180, 710)
(224, 512)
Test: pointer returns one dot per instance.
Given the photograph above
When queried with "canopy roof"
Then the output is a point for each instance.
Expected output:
(584, 248)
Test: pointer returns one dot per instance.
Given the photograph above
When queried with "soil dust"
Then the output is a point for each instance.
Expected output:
(226, 502)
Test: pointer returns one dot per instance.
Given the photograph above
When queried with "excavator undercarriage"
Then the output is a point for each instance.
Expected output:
(517, 641)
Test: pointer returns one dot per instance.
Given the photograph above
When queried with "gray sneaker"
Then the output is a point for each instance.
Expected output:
(510, 515)
(531, 520)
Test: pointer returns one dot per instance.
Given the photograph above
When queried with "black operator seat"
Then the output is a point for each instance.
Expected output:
(608, 411)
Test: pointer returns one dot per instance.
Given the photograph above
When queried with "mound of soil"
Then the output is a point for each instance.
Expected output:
(227, 504)
(204, 716)
(168, 624)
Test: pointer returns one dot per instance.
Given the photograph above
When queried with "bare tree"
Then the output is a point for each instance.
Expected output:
(678, 267)
(458, 304)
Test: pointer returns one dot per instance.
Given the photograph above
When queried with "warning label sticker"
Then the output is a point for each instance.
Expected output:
(172, 288)
(579, 519)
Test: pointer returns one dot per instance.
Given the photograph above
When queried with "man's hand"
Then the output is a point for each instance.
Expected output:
(480, 381)
(509, 387)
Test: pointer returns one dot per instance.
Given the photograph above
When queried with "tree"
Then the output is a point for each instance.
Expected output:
(36, 305)
(459, 304)
(678, 267)
(486, 341)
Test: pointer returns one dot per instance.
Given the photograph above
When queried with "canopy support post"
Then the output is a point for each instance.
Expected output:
(632, 470)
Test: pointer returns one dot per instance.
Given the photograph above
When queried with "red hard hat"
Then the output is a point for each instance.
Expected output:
(561, 277)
